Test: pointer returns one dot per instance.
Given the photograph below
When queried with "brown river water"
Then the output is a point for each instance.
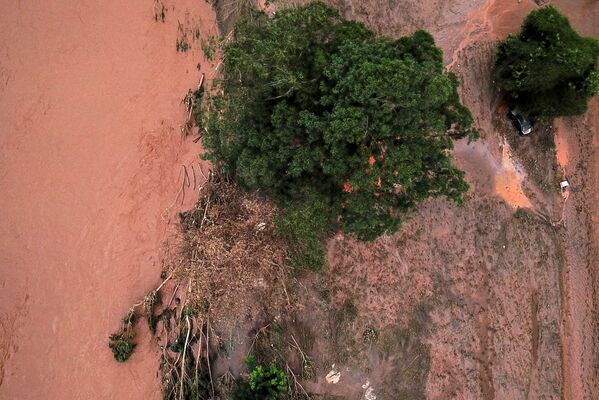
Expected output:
(90, 167)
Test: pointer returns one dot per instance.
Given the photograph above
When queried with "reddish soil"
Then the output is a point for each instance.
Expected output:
(580, 324)
(90, 176)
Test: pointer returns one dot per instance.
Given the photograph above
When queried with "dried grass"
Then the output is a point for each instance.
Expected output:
(227, 266)
(229, 254)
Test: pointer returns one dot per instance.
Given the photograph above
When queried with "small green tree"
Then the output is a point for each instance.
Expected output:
(548, 68)
(263, 383)
(311, 103)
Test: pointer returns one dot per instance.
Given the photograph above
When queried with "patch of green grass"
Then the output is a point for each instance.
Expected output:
(547, 142)
(182, 45)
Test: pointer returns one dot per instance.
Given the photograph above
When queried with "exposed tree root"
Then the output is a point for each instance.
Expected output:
(191, 100)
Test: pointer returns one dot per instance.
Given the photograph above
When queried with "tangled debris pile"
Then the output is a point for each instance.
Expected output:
(229, 252)
(229, 256)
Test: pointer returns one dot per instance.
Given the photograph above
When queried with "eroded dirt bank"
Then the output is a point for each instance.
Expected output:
(90, 163)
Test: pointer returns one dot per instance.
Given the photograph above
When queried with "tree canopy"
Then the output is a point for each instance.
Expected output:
(311, 106)
(549, 69)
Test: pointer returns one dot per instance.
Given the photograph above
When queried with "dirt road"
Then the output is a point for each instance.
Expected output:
(579, 277)
(90, 161)
(577, 140)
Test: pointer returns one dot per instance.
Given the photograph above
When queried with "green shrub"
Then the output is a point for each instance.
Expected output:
(549, 69)
(209, 48)
(309, 101)
(263, 383)
(121, 343)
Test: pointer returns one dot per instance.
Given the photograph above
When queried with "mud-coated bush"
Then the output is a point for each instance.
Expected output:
(122, 346)
(122, 342)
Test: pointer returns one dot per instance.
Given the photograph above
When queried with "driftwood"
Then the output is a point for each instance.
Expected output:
(190, 102)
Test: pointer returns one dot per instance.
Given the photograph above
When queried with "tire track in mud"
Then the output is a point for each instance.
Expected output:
(579, 276)
(579, 155)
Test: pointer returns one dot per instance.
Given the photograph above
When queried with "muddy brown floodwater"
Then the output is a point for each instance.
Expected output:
(90, 169)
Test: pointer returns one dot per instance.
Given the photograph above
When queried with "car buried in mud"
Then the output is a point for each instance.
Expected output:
(523, 125)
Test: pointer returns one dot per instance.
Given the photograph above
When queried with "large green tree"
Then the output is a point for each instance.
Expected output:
(311, 106)
(549, 69)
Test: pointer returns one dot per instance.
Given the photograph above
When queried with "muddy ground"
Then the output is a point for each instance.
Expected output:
(495, 299)
(492, 299)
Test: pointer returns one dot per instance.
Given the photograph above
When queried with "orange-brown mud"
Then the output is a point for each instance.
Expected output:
(91, 160)
(504, 177)
(576, 141)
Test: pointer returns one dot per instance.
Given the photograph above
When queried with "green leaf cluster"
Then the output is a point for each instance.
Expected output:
(549, 68)
(122, 345)
(312, 103)
(263, 383)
